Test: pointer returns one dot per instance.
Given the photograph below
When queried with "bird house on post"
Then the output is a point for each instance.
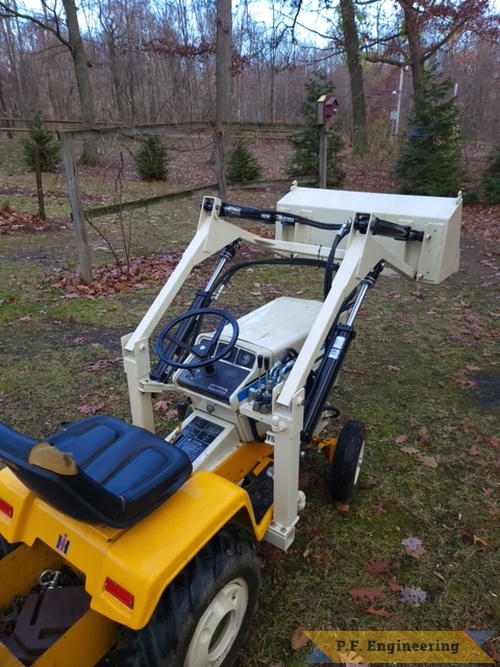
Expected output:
(327, 108)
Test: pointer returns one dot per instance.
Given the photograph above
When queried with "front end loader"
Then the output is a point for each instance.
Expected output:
(121, 546)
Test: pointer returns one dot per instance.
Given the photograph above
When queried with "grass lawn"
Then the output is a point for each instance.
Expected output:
(423, 374)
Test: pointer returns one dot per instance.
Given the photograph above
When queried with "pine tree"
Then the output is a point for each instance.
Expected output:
(49, 152)
(489, 189)
(305, 159)
(429, 155)
(151, 160)
(242, 166)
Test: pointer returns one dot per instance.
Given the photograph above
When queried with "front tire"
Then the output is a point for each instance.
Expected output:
(347, 461)
(204, 615)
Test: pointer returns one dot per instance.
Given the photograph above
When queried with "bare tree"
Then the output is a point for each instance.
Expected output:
(69, 35)
(422, 29)
(353, 56)
(223, 83)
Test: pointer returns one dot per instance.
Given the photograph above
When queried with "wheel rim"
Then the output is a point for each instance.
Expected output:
(359, 463)
(218, 626)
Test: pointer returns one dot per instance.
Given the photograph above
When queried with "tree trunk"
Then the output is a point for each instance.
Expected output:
(415, 46)
(5, 112)
(223, 84)
(351, 43)
(85, 93)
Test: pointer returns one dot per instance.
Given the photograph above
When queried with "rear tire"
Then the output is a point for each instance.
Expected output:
(347, 460)
(204, 616)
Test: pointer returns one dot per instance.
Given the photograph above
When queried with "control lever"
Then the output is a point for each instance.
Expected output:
(266, 404)
(258, 394)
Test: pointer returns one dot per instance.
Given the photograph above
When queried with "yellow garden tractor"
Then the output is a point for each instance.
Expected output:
(119, 546)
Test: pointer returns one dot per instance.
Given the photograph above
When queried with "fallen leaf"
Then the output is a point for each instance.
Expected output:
(376, 566)
(401, 439)
(493, 652)
(323, 557)
(424, 437)
(464, 383)
(90, 409)
(413, 547)
(365, 594)
(343, 508)
(269, 554)
(369, 483)
(469, 536)
(299, 639)
(379, 509)
(78, 341)
(161, 405)
(312, 532)
(487, 493)
(393, 585)
(103, 364)
(472, 451)
(409, 450)
(378, 612)
(427, 461)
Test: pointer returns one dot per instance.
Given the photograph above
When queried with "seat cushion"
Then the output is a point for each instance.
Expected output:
(124, 472)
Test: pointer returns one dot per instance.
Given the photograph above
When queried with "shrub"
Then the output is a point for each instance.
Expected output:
(489, 188)
(242, 166)
(49, 151)
(151, 160)
(428, 162)
(305, 159)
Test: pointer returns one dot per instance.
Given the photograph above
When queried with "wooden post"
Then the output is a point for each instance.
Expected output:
(323, 145)
(323, 156)
(75, 199)
(39, 185)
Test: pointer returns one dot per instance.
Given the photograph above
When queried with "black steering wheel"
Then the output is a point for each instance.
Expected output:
(205, 353)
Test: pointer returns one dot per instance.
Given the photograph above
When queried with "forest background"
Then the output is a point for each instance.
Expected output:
(137, 62)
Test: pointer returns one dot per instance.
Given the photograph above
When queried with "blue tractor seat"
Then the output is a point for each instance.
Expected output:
(123, 472)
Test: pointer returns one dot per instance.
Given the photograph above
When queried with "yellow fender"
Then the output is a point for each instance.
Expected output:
(139, 562)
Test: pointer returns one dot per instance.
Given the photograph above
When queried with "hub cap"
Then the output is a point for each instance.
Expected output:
(218, 626)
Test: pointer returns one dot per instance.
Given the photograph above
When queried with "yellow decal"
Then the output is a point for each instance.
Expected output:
(426, 646)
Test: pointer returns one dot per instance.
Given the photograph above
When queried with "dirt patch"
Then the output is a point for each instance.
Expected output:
(486, 391)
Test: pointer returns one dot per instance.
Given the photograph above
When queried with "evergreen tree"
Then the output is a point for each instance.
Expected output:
(429, 155)
(151, 160)
(489, 189)
(305, 159)
(242, 166)
(49, 151)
